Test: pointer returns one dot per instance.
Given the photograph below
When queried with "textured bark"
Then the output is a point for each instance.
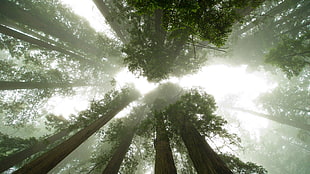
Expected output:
(18, 157)
(205, 160)
(115, 163)
(6, 85)
(278, 119)
(18, 35)
(14, 12)
(50, 159)
(164, 163)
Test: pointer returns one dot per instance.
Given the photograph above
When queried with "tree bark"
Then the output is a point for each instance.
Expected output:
(50, 159)
(18, 157)
(7, 85)
(164, 163)
(278, 119)
(115, 163)
(205, 160)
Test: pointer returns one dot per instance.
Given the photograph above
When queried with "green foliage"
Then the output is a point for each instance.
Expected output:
(289, 99)
(210, 20)
(291, 54)
(198, 108)
(237, 166)
(10, 145)
(158, 48)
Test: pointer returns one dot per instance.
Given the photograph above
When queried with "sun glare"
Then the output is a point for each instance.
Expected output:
(88, 10)
(141, 84)
(65, 106)
(220, 80)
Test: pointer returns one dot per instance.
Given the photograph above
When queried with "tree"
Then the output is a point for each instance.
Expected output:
(291, 54)
(157, 44)
(164, 162)
(200, 17)
(5, 85)
(279, 119)
(50, 159)
(195, 107)
(32, 40)
(35, 146)
(81, 40)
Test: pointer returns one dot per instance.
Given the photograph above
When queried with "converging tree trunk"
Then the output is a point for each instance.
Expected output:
(6, 85)
(104, 10)
(18, 157)
(164, 163)
(205, 160)
(115, 163)
(12, 11)
(50, 159)
(27, 38)
(278, 119)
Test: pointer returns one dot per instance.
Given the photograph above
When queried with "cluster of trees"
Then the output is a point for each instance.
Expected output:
(277, 34)
(47, 50)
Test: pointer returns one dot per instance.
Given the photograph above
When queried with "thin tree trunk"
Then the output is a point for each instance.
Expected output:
(22, 28)
(18, 157)
(164, 163)
(104, 10)
(35, 41)
(50, 159)
(115, 163)
(205, 160)
(278, 119)
(272, 12)
(7, 85)
(16, 13)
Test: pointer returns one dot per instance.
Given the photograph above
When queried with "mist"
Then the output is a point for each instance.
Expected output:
(157, 87)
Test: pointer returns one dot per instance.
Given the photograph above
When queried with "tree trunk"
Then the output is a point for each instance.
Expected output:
(18, 157)
(50, 159)
(14, 12)
(6, 85)
(18, 35)
(104, 10)
(205, 160)
(278, 119)
(164, 163)
(271, 13)
(115, 163)
(24, 29)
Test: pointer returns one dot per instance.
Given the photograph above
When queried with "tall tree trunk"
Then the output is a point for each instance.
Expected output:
(16, 13)
(6, 85)
(164, 163)
(104, 10)
(272, 12)
(205, 160)
(278, 119)
(115, 163)
(50, 159)
(18, 157)
(24, 29)
(18, 35)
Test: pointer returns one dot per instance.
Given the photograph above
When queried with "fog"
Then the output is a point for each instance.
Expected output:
(116, 85)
